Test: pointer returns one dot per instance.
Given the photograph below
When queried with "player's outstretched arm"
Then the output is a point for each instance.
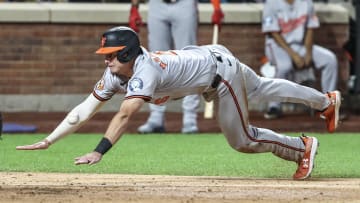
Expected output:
(115, 130)
(73, 121)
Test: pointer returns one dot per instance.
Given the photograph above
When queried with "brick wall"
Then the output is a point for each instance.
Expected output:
(59, 58)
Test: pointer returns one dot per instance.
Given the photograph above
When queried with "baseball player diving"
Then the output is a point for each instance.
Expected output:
(210, 70)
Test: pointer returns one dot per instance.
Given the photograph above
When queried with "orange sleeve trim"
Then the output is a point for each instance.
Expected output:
(145, 98)
(98, 97)
(216, 4)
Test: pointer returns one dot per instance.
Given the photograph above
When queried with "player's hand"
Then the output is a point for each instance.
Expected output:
(135, 20)
(39, 145)
(299, 62)
(217, 17)
(90, 158)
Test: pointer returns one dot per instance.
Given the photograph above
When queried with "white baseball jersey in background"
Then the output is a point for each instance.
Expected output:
(292, 20)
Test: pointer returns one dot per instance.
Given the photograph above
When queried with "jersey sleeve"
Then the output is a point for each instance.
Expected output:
(108, 85)
(313, 21)
(269, 18)
(143, 85)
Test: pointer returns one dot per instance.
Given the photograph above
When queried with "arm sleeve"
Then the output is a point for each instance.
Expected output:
(76, 118)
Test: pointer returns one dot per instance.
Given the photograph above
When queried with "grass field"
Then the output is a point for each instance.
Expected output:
(176, 154)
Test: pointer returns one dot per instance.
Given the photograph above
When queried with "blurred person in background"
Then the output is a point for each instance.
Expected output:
(289, 28)
(172, 24)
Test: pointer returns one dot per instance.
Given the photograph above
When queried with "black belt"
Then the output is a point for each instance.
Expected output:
(218, 58)
(216, 81)
(170, 1)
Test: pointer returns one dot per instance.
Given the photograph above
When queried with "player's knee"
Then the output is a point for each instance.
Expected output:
(243, 147)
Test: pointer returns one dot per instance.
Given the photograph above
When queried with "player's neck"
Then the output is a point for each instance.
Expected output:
(290, 1)
(130, 68)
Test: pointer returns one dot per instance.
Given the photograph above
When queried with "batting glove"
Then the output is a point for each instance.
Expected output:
(217, 17)
(135, 20)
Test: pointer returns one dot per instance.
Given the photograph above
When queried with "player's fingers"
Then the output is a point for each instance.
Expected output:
(94, 161)
(39, 145)
(82, 160)
(24, 147)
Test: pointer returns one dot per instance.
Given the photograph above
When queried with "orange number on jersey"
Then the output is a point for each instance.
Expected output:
(170, 52)
(161, 100)
(155, 56)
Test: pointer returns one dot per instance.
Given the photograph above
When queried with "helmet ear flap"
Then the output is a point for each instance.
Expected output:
(128, 53)
(123, 56)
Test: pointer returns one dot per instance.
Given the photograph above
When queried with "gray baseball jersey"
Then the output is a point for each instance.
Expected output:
(157, 78)
(173, 26)
(161, 76)
(292, 20)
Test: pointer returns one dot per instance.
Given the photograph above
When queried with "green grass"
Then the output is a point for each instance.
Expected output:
(175, 154)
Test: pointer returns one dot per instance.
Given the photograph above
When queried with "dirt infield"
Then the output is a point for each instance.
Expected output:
(56, 187)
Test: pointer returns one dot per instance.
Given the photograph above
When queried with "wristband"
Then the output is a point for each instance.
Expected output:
(103, 146)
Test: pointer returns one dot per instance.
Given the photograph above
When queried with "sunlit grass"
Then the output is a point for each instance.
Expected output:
(177, 154)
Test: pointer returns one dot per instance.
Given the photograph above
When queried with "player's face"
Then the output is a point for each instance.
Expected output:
(116, 66)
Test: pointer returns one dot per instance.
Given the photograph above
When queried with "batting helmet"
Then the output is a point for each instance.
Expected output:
(122, 39)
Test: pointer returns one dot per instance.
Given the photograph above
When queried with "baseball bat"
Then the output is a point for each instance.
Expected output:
(209, 106)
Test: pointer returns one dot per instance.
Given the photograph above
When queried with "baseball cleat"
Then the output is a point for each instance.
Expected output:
(331, 113)
(306, 164)
(149, 127)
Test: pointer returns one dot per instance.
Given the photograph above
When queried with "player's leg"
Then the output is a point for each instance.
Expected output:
(184, 25)
(190, 105)
(184, 31)
(283, 64)
(287, 91)
(159, 38)
(233, 120)
(326, 61)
